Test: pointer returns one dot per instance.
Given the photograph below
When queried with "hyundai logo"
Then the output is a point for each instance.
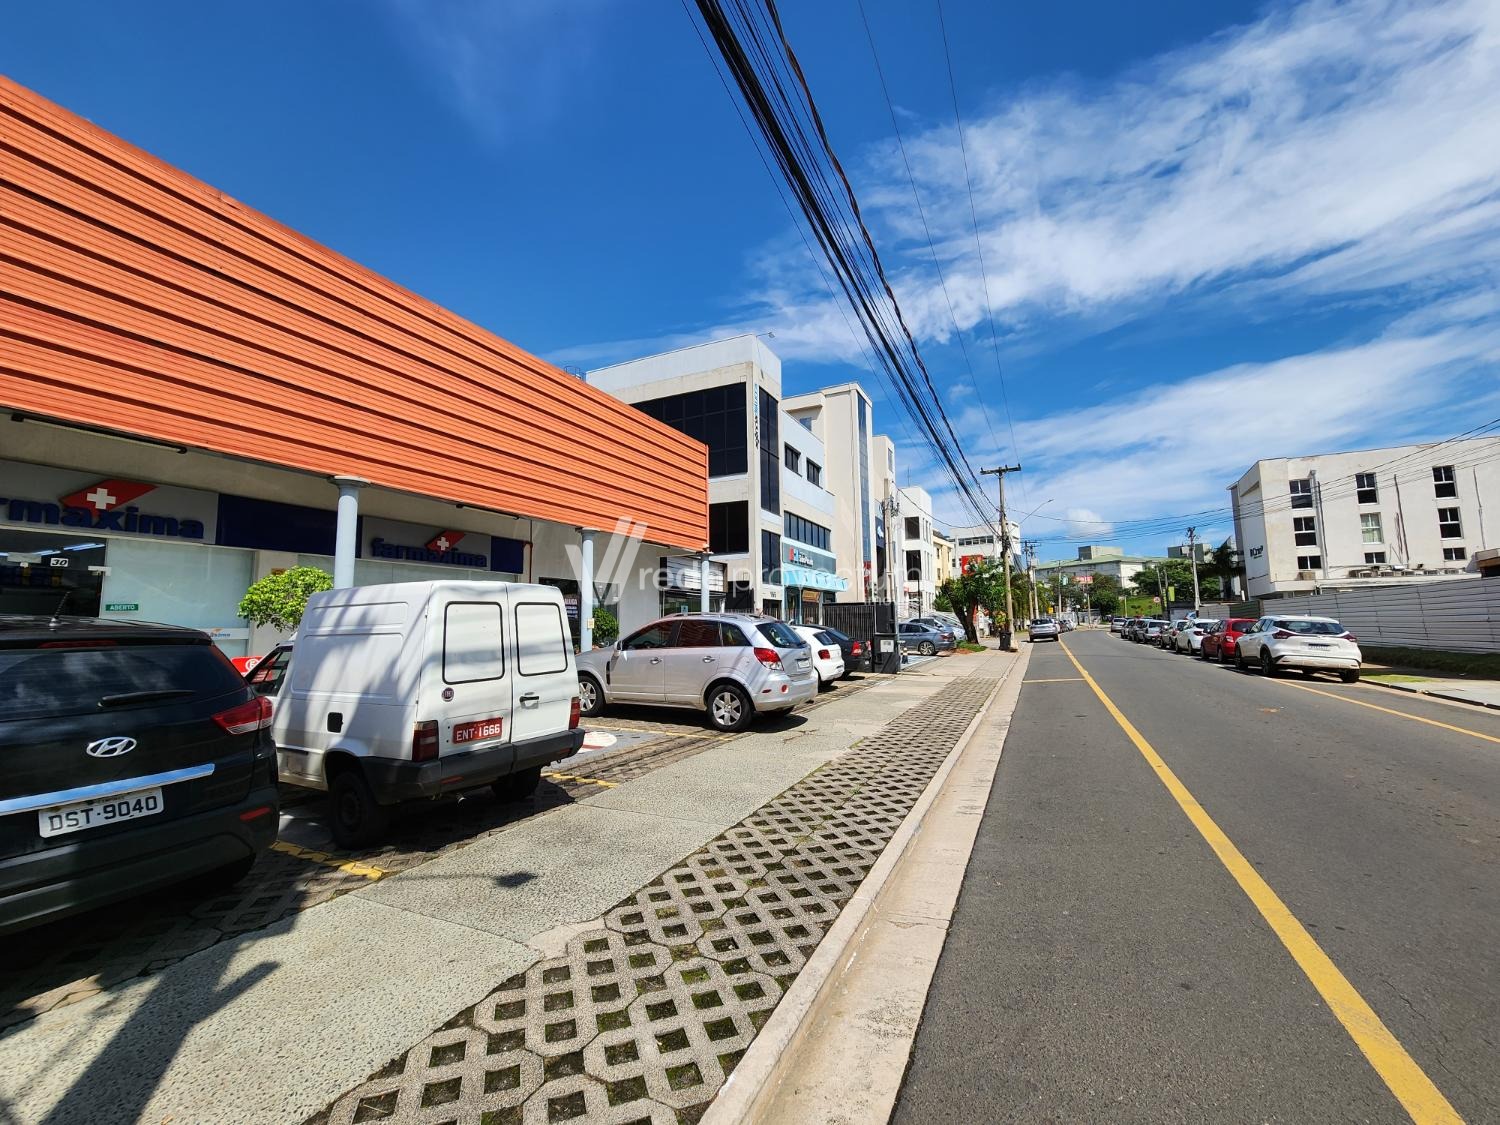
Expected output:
(110, 747)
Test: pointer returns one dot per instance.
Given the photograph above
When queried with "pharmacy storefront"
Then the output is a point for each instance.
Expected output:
(90, 545)
(811, 582)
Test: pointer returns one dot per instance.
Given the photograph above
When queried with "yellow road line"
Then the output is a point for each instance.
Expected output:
(584, 780)
(352, 867)
(1391, 711)
(1400, 1072)
(1057, 680)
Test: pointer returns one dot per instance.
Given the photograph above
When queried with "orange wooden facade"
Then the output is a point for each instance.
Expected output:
(137, 299)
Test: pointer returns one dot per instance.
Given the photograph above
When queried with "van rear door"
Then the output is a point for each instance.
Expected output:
(546, 679)
(468, 692)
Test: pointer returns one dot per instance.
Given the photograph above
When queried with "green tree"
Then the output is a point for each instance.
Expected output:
(606, 626)
(1105, 594)
(980, 586)
(280, 599)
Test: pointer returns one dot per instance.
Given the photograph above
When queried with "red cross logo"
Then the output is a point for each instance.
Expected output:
(107, 495)
(444, 541)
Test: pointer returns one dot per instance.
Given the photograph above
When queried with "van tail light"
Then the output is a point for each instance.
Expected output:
(770, 658)
(1280, 635)
(824, 654)
(424, 742)
(575, 712)
(247, 717)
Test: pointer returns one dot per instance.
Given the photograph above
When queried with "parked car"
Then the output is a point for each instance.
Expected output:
(1116, 624)
(925, 639)
(414, 690)
(1043, 629)
(1219, 643)
(1168, 637)
(1150, 630)
(1309, 644)
(732, 666)
(827, 656)
(135, 757)
(1189, 639)
(856, 653)
(1134, 627)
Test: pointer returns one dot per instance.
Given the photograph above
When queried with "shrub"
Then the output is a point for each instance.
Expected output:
(280, 600)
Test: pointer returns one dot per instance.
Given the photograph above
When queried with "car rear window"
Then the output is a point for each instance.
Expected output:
(1312, 628)
(780, 635)
(35, 683)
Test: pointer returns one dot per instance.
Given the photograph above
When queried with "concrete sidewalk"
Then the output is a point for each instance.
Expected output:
(1480, 693)
(273, 1026)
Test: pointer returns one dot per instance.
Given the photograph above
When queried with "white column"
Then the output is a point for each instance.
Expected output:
(704, 570)
(346, 541)
(586, 591)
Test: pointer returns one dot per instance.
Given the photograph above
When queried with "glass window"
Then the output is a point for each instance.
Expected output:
(770, 448)
(815, 473)
(42, 682)
(1309, 562)
(1443, 484)
(1374, 558)
(1454, 554)
(541, 641)
(1449, 525)
(1365, 491)
(652, 636)
(694, 632)
(913, 527)
(793, 459)
(44, 573)
(770, 558)
(196, 586)
(268, 674)
(1306, 529)
(731, 636)
(729, 528)
(473, 642)
(1369, 528)
(716, 417)
(1301, 493)
(1310, 628)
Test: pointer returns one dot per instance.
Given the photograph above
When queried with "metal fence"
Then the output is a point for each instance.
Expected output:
(1460, 616)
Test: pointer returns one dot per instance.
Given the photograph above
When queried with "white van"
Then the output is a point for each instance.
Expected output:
(419, 689)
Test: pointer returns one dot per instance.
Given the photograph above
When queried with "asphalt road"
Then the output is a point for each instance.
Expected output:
(1103, 963)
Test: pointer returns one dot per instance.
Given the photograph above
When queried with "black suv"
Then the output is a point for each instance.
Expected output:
(134, 757)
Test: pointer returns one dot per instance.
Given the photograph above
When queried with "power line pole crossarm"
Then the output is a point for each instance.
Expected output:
(1010, 616)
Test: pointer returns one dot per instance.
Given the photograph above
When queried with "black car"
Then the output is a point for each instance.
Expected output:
(135, 757)
(856, 653)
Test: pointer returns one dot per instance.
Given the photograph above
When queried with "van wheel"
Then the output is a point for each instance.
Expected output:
(356, 817)
(590, 696)
(1350, 677)
(518, 786)
(728, 707)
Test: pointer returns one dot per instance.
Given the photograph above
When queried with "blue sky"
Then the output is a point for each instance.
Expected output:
(1211, 232)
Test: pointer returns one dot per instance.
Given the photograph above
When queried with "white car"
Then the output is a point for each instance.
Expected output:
(1309, 644)
(827, 656)
(1189, 638)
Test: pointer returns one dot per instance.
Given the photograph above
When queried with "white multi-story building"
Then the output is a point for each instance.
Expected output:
(978, 541)
(917, 555)
(841, 418)
(1403, 514)
(771, 512)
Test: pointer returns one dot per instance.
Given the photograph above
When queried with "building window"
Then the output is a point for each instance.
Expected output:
(729, 528)
(913, 527)
(914, 566)
(1306, 529)
(805, 531)
(1443, 484)
(1369, 528)
(770, 558)
(1365, 490)
(1454, 554)
(770, 453)
(716, 417)
(815, 473)
(793, 459)
(1449, 526)
(1374, 558)
(1309, 562)
(1301, 493)
(862, 501)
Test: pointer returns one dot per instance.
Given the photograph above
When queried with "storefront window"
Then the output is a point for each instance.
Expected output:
(199, 587)
(46, 573)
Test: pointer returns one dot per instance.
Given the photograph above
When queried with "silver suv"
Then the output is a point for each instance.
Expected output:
(731, 665)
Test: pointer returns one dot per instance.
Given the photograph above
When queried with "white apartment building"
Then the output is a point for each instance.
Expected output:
(1404, 514)
(978, 541)
(771, 512)
(917, 554)
(857, 459)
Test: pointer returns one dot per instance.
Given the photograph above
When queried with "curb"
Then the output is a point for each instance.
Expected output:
(752, 1079)
(1413, 690)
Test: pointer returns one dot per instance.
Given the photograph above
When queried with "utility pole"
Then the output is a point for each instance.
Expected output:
(1010, 616)
(1193, 552)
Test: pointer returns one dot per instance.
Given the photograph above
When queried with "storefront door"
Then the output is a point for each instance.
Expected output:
(44, 572)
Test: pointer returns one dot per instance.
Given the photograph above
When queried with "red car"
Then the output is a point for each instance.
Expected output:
(1220, 644)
